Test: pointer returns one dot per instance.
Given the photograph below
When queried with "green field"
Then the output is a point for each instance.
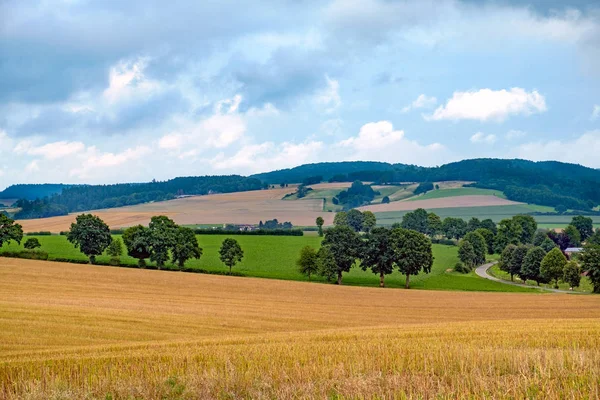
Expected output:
(584, 287)
(468, 191)
(275, 257)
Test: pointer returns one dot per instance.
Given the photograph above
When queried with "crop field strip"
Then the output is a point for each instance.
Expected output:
(71, 331)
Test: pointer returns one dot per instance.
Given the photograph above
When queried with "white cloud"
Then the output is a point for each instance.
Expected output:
(481, 137)
(268, 110)
(379, 141)
(32, 166)
(514, 134)
(127, 80)
(51, 151)
(330, 96)
(595, 113)
(582, 150)
(5, 141)
(94, 162)
(421, 102)
(487, 104)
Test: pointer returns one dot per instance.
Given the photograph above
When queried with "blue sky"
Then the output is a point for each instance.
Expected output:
(114, 91)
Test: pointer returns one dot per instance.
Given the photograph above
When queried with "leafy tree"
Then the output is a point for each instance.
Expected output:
(90, 234)
(230, 252)
(506, 263)
(595, 238)
(552, 267)
(416, 221)
(528, 227)
(434, 224)
(509, 232)
(466, 254)
(517, 259)
(454, 228)
(473, 224)
(413, 253)
(585, 226)
(531, 266)
(114, 251)
(356, 195)
(479, 246)
(539, 237)
(341, 219)
(590, 264)
(326, 265)
(489, 239)
(424, 187)
(548, 244)
(9, 230)
(378, 253)
(369, 221)
(138, 241)
(355, 220)
(32, 244)
(573, 235)
(185, 246)
(162, 237)
(489, 225)
(345, 247)
(572, 274)
(385, 200)
(307, 263)
(320, 222)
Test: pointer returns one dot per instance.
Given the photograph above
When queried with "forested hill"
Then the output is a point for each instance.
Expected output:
(31, 192)
(91, 197)
(548, 183)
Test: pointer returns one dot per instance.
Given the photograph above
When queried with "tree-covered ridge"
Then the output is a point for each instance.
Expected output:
(32, 191)
(549, 183)
(91, 197)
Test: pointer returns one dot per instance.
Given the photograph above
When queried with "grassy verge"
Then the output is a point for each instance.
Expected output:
(584, 287)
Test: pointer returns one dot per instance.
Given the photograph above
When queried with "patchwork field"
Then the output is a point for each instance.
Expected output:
(455, 192)
(443, 202)
(275, 257)
(78, 331)
(240, 208)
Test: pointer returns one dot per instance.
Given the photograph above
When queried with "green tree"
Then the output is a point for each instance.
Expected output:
(528, 227)
(531, 266)
(473, 224)
(320, 222)
(32, 244)
(454, 228)
(413, 253)
(595, 238)
(572, 274)
(355, 220)
(506, 264)
(539, 237)
(434, 224)
(489, 238)
(415, 221)
(552, 267)
(479, 246)
(378, 254)
(114, 251)
(590, 264)
(517, 259)
(90, 234)
(185, 246)
(385, 200)
(573, 236)
(138, 241)
(9, 230)
(548, 244)
(585, 226)
(345, 247)
(509, 232)
(369, 221)
(489, 225)
(466, 254)
(307, 262)
(230, 252)
(326, 265)
(162, 238)
(340, 219)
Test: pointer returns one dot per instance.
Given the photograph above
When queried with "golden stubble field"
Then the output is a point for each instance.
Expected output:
(78, 331)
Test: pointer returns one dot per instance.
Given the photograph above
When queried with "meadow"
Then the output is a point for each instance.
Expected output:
(275, 257)
(455, 192)
(80, 331)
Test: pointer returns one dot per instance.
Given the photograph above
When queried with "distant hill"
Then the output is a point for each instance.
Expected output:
(32, 191)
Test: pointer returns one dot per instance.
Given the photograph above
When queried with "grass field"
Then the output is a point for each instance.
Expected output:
(584, 287)
(438, 194)
(79, 331)
(275, 257)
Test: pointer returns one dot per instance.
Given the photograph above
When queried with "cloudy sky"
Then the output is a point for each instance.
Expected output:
(116, 91)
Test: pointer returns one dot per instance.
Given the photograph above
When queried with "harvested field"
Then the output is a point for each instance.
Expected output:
(445, 202)
(75, 331)
(240, 208)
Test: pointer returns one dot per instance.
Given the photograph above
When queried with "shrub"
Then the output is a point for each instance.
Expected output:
(27, 254)
(462, 268)
(32, 243)
(41, 233)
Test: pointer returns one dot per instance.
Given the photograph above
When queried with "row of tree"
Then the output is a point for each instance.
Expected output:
(381, 250)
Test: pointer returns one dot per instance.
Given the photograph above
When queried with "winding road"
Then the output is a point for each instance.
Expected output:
(482, 271)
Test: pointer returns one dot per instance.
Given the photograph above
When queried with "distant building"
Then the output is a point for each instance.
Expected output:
(573, 250)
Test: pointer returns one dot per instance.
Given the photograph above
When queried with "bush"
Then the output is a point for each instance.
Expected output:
(42, 233)
(32, 243)
(462, 268)
(27, 254)
(445, 242)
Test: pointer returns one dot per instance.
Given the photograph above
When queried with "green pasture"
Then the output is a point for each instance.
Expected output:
(467, 191)
(275, 257)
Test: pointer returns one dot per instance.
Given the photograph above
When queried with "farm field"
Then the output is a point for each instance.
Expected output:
(455, 192)
(275, 257)
(79, 331)
(240, 208)
(474, 201)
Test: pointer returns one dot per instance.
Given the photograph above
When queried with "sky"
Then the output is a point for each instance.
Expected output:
(120, 91)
